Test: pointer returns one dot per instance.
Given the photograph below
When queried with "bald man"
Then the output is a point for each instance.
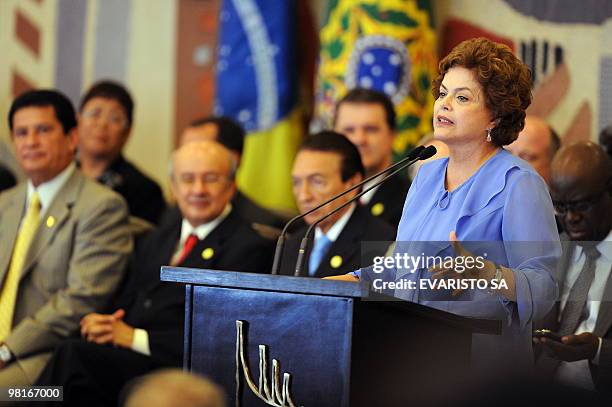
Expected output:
(231, 135)
(145, 328)
(581, 189)
(537, 144)
(174, 388)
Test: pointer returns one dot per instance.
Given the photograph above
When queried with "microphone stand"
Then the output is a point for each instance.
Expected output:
(414, 155)
(301, 260)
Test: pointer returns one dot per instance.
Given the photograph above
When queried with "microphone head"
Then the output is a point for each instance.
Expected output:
(415, 153)
(428, 152)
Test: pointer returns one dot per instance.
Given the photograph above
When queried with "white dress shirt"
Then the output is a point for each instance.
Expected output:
(333, 232)
(367, 197)
(47, 191)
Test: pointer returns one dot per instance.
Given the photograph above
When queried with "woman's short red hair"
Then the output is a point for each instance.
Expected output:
(506, 82)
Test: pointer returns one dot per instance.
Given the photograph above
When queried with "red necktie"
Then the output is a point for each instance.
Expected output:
(190, 243)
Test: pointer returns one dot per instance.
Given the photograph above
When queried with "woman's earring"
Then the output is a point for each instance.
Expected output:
(489, 135)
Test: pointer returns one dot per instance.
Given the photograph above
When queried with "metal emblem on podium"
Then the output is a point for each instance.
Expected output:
(279, 395)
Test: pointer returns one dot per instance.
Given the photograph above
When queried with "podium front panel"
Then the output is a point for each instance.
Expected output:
(309, 336)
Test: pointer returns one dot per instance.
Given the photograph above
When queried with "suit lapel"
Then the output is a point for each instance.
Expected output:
(604, 317)
(159, 250)
(54, 218)
(208, 251)
(289, 257)
(10, 218)
(384, 192)
(346, 246)
(565, 262)
(567, 254)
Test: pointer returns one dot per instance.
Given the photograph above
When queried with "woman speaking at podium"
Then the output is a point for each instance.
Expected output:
(481, 201)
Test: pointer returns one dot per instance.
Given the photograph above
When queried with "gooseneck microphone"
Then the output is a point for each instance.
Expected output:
(412, 156)
(424, 154)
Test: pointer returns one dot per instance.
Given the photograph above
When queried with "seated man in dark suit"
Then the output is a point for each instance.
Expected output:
(105, 122)
(581, 189)
(229, 133)
(327, 164)
(367, 118)
(145, 329)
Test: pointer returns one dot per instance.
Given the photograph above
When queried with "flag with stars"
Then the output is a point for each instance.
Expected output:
(387, 45)
(256, 85)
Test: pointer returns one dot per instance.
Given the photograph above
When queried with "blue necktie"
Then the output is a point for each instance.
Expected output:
(318, 252)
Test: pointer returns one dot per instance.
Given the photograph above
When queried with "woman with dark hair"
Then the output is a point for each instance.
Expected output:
(481, 201)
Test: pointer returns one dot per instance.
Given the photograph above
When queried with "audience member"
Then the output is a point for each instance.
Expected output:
(537, 144)
(581, 189)
(174, 388)
(327, 164)
(367, 118)
(7, 179)
(145, 329)
(65, 239)
(105, 122)
(9, 161)
(229, 133)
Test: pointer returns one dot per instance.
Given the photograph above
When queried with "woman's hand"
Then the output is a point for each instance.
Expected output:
(343, 277)
(473, 269)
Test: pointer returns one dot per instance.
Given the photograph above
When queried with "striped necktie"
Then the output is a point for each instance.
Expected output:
(8, 295)
(573, 312)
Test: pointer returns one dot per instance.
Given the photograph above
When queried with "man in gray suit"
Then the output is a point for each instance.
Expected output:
(581, 188)
(65, 240)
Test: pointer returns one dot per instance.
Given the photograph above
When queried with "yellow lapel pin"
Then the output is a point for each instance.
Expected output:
(335, 261)
(208, 253)
(378, 209)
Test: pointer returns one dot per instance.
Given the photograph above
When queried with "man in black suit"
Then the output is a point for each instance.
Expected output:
(367, 118)
(230, 134)
(581, 188)
(327, 164)
(145, 329)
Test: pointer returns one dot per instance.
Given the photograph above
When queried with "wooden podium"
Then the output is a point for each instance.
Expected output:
(293, 341)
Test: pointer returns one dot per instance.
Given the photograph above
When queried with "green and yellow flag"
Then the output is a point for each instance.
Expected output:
(386, 45)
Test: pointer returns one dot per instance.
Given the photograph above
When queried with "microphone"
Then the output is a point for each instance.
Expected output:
(427, 153)
(280, 243)
(424, 154)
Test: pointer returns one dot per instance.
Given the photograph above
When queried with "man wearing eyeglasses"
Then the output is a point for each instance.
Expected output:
(581, 188)
(145, 329)
(105, 122)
